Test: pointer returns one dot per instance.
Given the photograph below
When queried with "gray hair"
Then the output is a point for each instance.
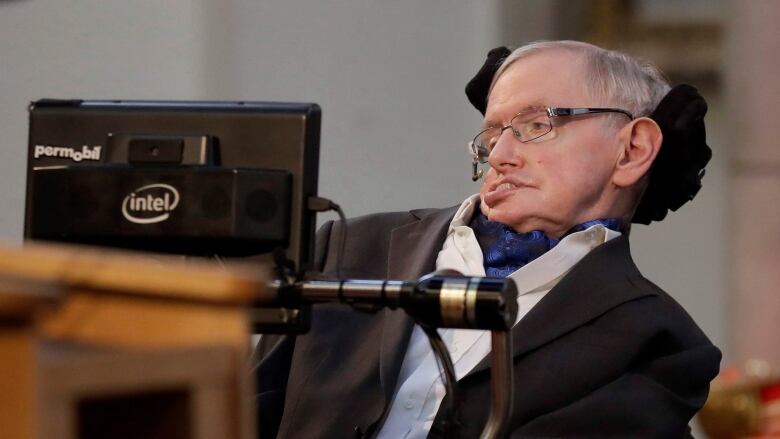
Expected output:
(613, 78)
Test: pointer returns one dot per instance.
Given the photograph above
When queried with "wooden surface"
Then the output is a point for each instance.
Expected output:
(18, 404)
(121, 321)
(80, 322)
(22, 298)
(135, 389)
(130, 299)
(91, 268)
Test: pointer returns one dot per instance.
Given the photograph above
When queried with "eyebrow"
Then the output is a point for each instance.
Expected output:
(534, 106)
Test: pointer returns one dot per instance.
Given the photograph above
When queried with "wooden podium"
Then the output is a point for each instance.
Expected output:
(102, 344)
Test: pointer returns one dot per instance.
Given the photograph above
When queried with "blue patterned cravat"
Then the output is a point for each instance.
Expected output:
(504, 251)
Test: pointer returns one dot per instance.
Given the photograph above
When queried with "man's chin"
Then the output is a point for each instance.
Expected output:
(520, 223)
(500, 216)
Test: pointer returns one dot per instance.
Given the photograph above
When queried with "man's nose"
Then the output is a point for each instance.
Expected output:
(506, 152)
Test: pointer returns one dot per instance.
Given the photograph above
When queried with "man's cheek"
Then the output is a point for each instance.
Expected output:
(485, 183)
(490, 176)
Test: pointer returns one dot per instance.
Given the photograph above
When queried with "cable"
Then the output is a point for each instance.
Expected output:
(320, 204)
(449, 378)
(342, 238)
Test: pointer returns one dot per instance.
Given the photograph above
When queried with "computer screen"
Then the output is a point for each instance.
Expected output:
(198, 178)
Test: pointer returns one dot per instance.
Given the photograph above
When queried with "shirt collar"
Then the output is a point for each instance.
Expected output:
(464, 213)
(545, 271)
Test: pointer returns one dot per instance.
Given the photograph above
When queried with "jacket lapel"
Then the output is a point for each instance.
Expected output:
(596, 284)
(415, 246)
(412, 253)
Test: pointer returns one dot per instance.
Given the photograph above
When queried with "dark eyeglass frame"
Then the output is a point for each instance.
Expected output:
(480, 153)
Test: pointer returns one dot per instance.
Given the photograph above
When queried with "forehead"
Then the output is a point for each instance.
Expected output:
(553, 78)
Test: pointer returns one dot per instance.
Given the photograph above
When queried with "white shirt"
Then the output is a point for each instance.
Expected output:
(420, 390)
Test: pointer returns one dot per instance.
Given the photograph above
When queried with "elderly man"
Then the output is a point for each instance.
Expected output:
(599, 350)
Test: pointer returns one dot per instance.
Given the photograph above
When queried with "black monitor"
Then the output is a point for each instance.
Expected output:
(196, 178)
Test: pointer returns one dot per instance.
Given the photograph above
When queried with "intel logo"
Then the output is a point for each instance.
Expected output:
(150, 204)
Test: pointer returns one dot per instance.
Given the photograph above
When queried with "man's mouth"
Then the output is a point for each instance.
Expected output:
(506, 184)
(497, 192)
(505, 187)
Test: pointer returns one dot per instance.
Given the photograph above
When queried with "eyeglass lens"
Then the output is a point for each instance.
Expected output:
(525, 127)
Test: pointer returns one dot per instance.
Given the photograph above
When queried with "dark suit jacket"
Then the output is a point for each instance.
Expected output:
(605, 353)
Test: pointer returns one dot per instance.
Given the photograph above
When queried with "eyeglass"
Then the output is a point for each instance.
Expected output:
(528, 125)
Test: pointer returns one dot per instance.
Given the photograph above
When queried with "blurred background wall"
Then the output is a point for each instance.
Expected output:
(389, 76)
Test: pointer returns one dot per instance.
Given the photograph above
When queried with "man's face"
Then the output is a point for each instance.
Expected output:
(561, 179)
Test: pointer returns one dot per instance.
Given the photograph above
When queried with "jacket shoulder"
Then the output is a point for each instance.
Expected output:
(366, 242)
(392, 220)
(642, 307)
(653, 312)
(665, 312)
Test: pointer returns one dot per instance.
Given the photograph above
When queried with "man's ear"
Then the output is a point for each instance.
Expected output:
(641, 140)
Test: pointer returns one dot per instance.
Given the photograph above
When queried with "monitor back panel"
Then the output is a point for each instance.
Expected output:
(246, 135)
